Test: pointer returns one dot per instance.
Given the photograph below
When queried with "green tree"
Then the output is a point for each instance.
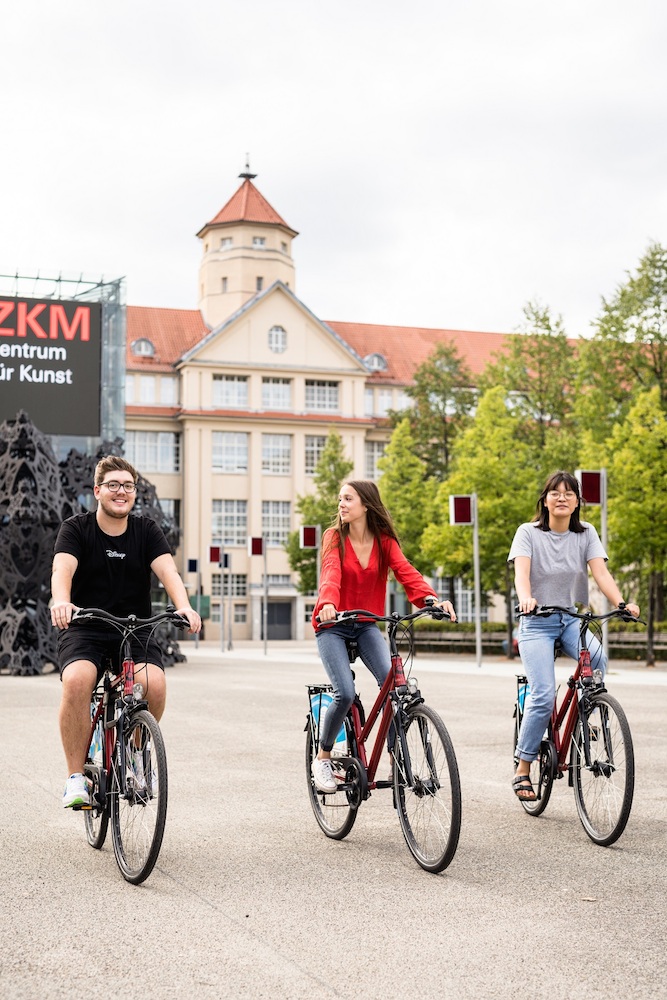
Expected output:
(443, 399)
(491, 461)
(406, 492)
(538, 368)
(628, 352)
(318, 508)
(635, 455)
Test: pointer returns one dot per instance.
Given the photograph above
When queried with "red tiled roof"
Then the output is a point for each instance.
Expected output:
(248, 205)
(407, 347)
(172, 332)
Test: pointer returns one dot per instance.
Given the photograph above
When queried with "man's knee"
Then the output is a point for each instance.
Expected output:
(78, 680)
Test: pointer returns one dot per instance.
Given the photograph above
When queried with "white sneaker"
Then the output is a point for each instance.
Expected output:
(76, 791)
(323, 775)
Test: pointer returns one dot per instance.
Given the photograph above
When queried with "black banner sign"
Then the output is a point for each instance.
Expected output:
(50, 363)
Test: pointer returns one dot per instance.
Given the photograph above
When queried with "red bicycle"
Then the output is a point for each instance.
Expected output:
(590, 726)
(127, 761)
(424, 771)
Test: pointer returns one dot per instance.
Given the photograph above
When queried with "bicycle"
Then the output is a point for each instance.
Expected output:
(592, 726)
(127, 761)
(424, 772)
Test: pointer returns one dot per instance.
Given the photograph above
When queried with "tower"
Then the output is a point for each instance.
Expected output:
(246, 247)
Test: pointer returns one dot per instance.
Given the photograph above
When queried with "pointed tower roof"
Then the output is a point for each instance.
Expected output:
(248, 205)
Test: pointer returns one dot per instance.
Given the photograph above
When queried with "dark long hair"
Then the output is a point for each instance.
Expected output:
(542, 514)
(378, 518)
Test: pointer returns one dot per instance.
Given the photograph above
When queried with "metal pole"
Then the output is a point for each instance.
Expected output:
(198, 602)
(478, 595)
(603, 539)
(230, 644)
(221, 565)
(265, 609)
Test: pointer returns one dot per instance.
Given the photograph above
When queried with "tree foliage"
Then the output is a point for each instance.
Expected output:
(318, 508)
(406, 492)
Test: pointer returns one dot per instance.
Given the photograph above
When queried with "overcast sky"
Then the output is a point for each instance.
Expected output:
(444, 162)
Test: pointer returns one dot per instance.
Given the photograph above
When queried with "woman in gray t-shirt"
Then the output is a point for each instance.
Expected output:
(552, 556)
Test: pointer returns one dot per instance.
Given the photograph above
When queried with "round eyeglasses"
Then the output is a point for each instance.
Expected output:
(556, 495)
(113, 486)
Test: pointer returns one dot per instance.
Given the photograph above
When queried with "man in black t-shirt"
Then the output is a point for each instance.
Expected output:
(104, 560)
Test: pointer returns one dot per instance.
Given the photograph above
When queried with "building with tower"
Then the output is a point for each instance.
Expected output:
(228, 407)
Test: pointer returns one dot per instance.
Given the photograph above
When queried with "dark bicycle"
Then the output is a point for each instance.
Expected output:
(127, 761)
(590, 726)
(424, 771)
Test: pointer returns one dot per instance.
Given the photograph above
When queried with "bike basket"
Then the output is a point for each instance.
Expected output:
(321, 697)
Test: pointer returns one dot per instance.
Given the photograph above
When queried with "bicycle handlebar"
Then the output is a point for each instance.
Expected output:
(343, 616)
(132, 620)
(541, 611)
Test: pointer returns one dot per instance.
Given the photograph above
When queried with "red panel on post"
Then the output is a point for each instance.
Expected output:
(460, 509)
(214, 554)
(255, 546)
(308, 536)
(591, 486)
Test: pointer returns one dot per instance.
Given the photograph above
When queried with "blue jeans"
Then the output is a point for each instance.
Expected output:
(374, 652)
(536, 646)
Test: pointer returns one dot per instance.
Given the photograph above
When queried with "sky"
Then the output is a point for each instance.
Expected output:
(443, 162)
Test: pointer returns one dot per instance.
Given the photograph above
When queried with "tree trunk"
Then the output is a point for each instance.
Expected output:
(660, 597)
(509, 616)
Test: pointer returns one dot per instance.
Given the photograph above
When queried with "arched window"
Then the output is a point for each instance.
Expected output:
(143, 348)
(376, 362)
(277, 339)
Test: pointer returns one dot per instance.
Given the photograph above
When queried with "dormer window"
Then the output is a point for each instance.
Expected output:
(376, 362)
(259, 241)
(143, 348)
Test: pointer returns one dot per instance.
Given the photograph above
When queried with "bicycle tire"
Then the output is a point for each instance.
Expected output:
(139, 801)
(429, 809)
(542, 771)
(603, 793)
(96, 819)
(335, 813)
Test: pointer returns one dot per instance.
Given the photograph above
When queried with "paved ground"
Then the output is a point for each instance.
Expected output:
(249, 899)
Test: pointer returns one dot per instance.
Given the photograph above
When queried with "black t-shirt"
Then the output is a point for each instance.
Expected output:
(114, 571)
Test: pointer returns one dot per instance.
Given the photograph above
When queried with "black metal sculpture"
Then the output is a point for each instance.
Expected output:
(36, 495)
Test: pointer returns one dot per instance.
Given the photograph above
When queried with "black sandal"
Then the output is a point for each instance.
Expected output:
(522, 783)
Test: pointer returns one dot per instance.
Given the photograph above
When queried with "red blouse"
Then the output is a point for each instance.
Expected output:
(350, 586)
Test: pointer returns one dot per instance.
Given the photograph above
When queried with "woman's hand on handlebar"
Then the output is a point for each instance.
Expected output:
(62, 613)
(525, 606)
(327, 613)
(445, 606)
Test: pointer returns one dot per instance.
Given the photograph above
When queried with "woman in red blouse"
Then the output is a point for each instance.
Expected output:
(357, 554)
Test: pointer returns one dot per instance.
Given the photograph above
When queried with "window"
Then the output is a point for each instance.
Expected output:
(143, 348)
(314, 447)
(403, 401)
(308, 613)
(277, 339)
(259, 284)
(276, 521)
(258, 241)
(374, 451)
(153, 451)
(224, 285)
(225, 242)
(283, 246)
(277, 580)
(230, 390)
(129, 389)
(229, 522)
(172, 509)
(229, 451)
(277, 454)
(168, 391)
(240, 614)
(238, 582)
(321, 395)
(147, 389)
(376, 362)
(384, 402)
(369, 402)
(276, 393)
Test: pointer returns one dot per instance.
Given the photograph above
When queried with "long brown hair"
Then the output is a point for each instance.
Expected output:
(378, 518)
(541, 512)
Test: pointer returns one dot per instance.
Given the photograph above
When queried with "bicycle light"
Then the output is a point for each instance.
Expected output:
(138, 690)
(413, 686)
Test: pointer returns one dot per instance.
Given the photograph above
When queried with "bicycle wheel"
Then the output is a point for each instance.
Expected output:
(337, 812)
(139, 798)
(542, 771)
(603, 792)
(427, 794)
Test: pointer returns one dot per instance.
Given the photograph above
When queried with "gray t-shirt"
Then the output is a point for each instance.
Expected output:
(558, 562)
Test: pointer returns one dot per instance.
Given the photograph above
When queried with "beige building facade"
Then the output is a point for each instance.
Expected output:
(228, 408)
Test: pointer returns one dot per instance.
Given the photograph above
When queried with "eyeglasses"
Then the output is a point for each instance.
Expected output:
(113, 487)
(556, 495)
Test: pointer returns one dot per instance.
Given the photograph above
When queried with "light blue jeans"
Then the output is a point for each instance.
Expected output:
(536, 646)
(374, 652)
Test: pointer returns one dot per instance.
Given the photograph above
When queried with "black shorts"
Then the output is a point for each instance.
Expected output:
(99, 644)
